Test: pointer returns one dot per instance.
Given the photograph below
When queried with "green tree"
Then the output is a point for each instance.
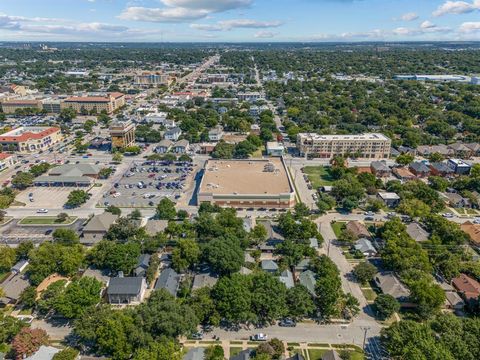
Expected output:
(78, 296)
(414, 208)
(77, 198)
(62, 217)
(9, 328)
(165, 349)
(258, 234)
(22, 180)
(117, 157)
(8, 258)
(214, 352)
(404, 159)
(166, 209)
(65, 236)
(203, 305)
(185, 255)
(386, 305)
(233, 298)
(268, 297)
(115, 256)
(66, 354)
(225, 256)
(28, 297)
(428, 296)
(299, 302)
(114, 210)
(364, 272)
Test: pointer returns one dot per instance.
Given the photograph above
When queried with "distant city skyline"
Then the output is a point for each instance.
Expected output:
(239, 20)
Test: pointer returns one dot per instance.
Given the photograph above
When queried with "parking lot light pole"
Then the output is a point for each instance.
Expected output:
(365, 329)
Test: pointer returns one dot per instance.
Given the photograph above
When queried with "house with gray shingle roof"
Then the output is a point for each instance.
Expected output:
(307, 279)
(97, 227)
(142, 265)
(389, 283)
(126, 290)
(366, 247)
(417, 232)
(169, 280)
(286, 277)
(269, 266)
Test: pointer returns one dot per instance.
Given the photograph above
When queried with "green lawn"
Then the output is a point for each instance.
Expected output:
(318, 176)
(45, 220)
(338, 227)
(258, 153)
(316, 354)
(369, 294)
(235, 351)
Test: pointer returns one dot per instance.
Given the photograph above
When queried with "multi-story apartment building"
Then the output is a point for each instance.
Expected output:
(151, 79)
(29, 139)
(122, 134)
(368, 146)
(108, 103)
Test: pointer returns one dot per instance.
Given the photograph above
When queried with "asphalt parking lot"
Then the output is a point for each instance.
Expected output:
(145, 183)
(45, 197)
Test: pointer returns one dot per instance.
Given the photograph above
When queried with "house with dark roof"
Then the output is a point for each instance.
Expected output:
(126, 290)
(13, 287)
(390, 199)
(169, 280)
(97, 227)
(460, 150)
(419, 168)
(456, 200)
(204, 279)
(440, 169)
(380, 168)
(390, 284)
(142, 265)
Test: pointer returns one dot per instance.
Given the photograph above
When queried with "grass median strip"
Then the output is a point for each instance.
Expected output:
(46, 220)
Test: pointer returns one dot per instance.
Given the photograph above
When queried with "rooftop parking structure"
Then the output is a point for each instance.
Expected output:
(144, 184)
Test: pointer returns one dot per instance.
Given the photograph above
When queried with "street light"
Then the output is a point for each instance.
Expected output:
(365, 329)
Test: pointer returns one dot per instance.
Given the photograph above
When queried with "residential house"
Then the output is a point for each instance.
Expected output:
(474, 148)
(365, 247)
(244, 271)
(419, 168)
(313, 242)
(459, 167)
(204, 279)
(13, 287)
(286, 277)
(358, 229)
(473, 231)
(440, 169)
(460, 150)
(417, 232)
(454, 301)
(142, 265)
(100, 275)
(243, 355)
(19, 267)
(426, 150)
(153, 227)
(390, 199)
(302, 265)
(468, 288)
(456, 200)
(97, 227)
(380, 168)
(215, 134)
(307, 279)
(164, 146)
(407, 150)
(169, 280)
(269, 266)
(180, 147)
(173, 134)
(274, 148)
(44, 353)
(403, 173)
(126, 290)
(389, 283)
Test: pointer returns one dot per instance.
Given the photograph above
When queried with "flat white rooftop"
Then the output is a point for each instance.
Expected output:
(366, 136)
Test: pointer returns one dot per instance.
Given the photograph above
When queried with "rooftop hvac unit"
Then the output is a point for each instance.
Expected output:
(270, 167)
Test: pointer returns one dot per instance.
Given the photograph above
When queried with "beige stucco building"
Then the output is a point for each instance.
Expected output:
(30, 139)
(108, 103)
(122, 134)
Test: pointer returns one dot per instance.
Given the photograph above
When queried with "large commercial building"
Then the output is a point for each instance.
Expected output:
(10, 106)
(261, 183)
(151, 79)
(30, 139)
(108, 103)
(122, 134)
(368, 146)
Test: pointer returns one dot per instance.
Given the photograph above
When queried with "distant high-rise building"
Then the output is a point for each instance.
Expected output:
(122, 134)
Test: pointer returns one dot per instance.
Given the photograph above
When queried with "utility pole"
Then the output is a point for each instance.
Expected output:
(365, 329)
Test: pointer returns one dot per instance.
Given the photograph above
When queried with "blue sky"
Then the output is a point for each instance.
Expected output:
(239, 20)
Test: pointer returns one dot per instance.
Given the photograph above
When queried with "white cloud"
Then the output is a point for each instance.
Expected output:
(409, 16)
(470, 27)
(162, 15)
(265, 35)
(457, 7)
(427, 25)
(181, 10)
(237, 23)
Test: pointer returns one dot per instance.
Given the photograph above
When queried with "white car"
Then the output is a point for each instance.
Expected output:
(476, 220)
(448, 215)
(259, 337)
(42, 211)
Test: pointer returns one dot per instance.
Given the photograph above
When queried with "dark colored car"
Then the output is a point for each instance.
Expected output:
(287, 323)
